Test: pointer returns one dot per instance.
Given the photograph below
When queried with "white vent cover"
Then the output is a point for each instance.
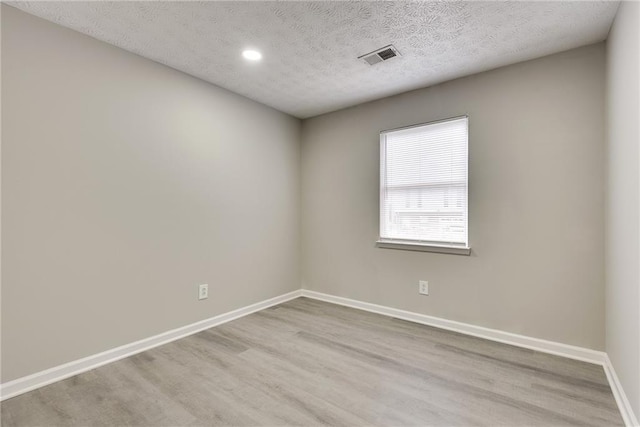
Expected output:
(379, 55)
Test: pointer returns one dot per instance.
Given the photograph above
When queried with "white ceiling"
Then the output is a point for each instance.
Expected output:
(310, 49)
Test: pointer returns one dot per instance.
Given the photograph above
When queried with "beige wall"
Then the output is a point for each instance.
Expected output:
(124, 185)
(536, 202)
(623, 200)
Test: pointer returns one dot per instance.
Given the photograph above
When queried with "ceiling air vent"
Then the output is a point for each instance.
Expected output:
(379, 55)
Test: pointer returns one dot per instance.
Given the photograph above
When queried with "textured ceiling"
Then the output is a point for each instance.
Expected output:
(310, 49)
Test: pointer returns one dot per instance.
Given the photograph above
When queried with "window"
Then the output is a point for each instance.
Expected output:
(423, 187)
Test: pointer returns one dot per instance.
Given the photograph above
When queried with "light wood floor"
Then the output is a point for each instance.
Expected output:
(308, 363)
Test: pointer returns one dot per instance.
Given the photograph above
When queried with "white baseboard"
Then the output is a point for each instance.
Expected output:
(40, 379)
(626, 411)
(551, 347)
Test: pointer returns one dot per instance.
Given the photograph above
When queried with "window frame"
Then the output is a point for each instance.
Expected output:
(416, 244)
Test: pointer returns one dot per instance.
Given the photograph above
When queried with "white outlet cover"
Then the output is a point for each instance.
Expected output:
(423, 287)
(203, 291)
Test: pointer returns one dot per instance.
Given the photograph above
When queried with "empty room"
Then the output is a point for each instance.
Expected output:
(337, 213)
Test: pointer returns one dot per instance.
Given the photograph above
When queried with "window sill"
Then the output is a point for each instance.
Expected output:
(414, 246)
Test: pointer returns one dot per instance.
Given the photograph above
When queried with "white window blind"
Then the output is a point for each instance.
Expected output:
(423, 184)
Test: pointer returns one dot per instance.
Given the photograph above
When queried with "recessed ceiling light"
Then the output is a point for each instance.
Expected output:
(252, 55)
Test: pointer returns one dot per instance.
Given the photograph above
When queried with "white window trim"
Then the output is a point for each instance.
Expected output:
(418, 245)
(413, 245)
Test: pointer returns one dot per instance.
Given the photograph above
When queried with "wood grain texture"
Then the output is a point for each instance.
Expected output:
(307, 362)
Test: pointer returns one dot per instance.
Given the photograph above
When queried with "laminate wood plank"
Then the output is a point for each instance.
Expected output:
(306, 362)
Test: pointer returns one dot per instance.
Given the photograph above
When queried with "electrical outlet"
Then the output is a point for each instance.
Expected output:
(203, 291)
(423, 287)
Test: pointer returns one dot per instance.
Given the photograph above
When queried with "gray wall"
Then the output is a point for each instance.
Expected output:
(623, 200)
(536, 202)
(124, 185)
